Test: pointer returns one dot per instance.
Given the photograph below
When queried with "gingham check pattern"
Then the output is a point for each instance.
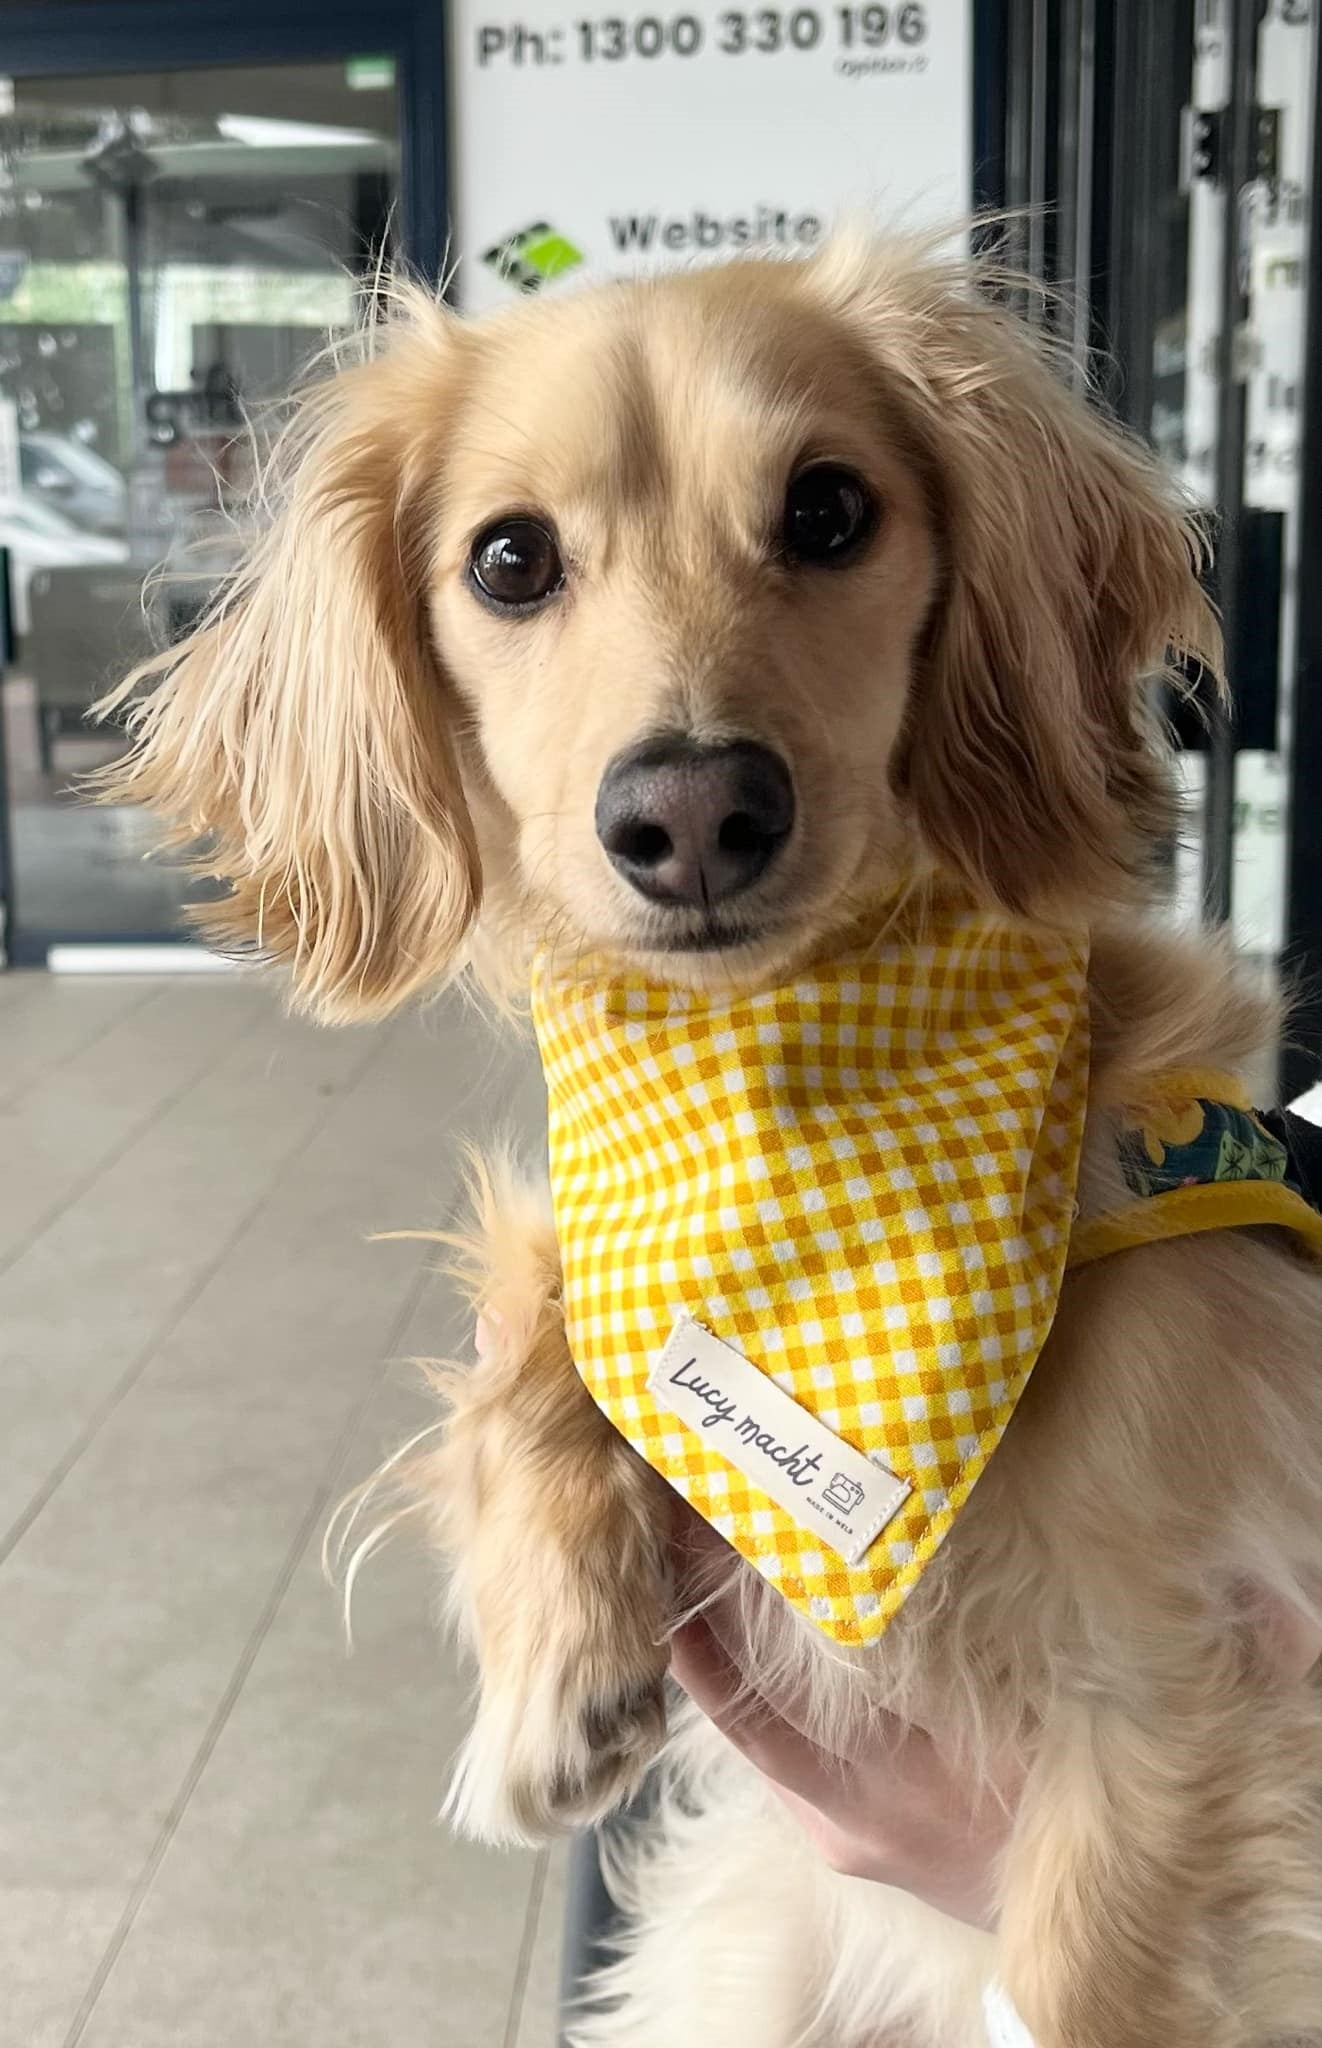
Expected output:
(864, 1181)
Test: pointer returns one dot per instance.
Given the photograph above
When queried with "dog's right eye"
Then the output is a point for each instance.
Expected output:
(829, 513)
(516, 564)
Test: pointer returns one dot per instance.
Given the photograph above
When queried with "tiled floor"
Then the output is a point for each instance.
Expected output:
(217, 1827)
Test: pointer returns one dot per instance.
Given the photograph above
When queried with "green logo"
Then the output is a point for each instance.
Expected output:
(533, 256)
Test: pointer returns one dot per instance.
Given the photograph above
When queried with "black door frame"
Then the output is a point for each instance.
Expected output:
(1301, 1060)
(81, 37)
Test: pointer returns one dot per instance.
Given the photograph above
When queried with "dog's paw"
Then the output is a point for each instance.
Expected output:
(558, 1759)
(616, 1739)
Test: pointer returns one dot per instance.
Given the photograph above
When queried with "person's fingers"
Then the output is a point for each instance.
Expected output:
(708, 1651)
(707, 1569)
(489, 1321)
(896, 1816)
(707, 1675)
(891, 1826)
(902, 1768)
(772, 1745)
(848, 1858)
(703, 1558)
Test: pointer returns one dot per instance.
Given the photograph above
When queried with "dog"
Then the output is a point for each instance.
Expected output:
(838, 525)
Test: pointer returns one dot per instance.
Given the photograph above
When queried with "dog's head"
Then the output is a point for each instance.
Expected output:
(678, 619)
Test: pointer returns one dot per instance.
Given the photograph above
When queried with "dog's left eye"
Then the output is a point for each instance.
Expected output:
(516, 563)
(829, 511)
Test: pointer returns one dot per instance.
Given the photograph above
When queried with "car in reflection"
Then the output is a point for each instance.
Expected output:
(74, 480)
(38, 537)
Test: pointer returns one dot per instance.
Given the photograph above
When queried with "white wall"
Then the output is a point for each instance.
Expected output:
(648, 138)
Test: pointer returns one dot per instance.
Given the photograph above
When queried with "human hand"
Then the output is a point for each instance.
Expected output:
(898, 1814)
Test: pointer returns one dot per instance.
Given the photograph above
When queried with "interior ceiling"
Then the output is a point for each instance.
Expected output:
(288, 92)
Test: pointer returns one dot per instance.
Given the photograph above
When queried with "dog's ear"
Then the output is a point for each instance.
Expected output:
(301, 731)
(1070, 579)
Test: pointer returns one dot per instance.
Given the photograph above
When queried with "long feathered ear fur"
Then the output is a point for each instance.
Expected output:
(1071, 578)
(301, 730)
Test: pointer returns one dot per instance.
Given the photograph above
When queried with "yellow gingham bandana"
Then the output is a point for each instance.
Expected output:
(863, 1182)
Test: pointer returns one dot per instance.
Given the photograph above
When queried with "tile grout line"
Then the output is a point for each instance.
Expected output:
(523, 1966)
(44, 1072)
(331, 1477)
(96, 1422)
(115, 1153)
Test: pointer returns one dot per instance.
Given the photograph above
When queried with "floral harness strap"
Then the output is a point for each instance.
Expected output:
(1200, 1157)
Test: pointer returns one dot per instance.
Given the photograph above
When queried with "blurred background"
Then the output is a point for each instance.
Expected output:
(215, 1826)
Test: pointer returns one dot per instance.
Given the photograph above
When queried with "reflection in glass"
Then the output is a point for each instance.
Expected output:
(175, 249)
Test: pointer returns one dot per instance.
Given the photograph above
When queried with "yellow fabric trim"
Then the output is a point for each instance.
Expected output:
(1212, 1205)
(1192, 1084)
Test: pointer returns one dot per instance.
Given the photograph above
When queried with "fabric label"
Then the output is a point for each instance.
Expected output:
(824, 1483)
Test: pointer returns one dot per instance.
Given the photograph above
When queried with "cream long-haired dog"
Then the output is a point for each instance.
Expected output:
(844, 514)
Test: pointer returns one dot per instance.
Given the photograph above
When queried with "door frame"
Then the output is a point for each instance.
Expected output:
(101, 37)
(1301, 1059)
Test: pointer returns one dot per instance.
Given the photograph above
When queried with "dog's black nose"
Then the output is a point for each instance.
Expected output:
(687, 823)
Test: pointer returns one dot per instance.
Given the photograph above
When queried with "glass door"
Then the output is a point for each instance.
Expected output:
(175, 248)
(1248, 174)
(1209, 254)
